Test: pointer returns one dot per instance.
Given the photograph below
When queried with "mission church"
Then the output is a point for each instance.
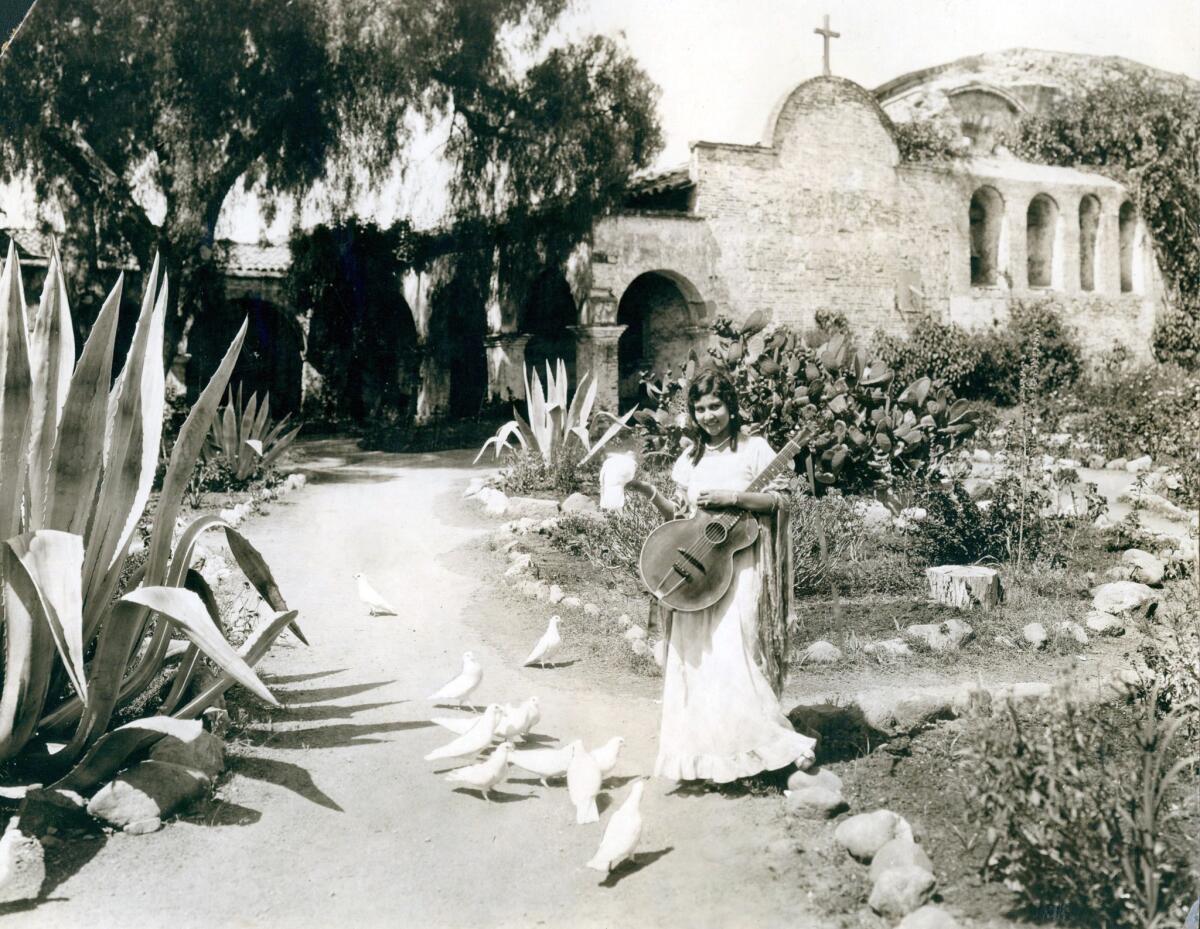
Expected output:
(820, 214)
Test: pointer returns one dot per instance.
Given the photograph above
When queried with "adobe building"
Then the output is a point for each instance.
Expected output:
(823, 214)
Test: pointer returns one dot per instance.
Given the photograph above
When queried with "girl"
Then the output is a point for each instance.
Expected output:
(725, 665)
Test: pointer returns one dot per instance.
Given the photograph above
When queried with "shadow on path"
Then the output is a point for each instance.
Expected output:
(630, 868)
(497, 796)
(320, 694)
(299, 678)
(316, 712)
(218, 812)
(282, 774)
(337, 736)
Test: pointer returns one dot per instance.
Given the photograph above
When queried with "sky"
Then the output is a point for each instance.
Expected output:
(723, 64)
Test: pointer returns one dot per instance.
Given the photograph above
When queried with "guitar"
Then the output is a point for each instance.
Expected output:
(687, 564)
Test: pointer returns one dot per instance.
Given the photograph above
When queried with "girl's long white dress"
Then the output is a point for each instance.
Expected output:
(720, 718)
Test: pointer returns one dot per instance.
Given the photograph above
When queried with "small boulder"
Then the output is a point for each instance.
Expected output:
(1104, 623)
(640, 648)
(573, 603)
(947, 636)
(1034, 634)
(495, 502)
(1068, 629)
(149, 790)
(915, 711)
(22, 864)
(556, 594)
(814, 777)
(624, 621)
(1137, 465)
(1124, 598)
(928, 917)
(1146, 569)
(816, 802)
(580, 504)
(822, 652)
(590, 609)
(1095, 462)
(533, 507)
(863, 835)
(899, 891)
(1115, 464)
(635, 633)
(874, 515)
(205, 753)
(902, 852)
(894, 648)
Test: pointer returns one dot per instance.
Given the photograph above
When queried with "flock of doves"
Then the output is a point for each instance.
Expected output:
(585, 770)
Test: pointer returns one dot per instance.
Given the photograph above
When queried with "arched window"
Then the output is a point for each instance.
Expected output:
(986, 216)
(1089, 224)
(1040, 232)
(1127, 223)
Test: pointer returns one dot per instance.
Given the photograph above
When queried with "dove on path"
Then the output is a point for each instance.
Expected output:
(372, 598)
(519, 719)
(583, 783)
(606, 755)
(474, 740)
(547, 646)
(544, 762)
(622, 833)
(487, 774)
(460, 688)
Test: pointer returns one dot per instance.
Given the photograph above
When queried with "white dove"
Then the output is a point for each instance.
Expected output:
(474, 740)
(583, 783)
(547, 646)
(622, 833)
(519, 719)
(371, 597)
(544, 762)
(606, 755)
(460, 688)
(487, 774)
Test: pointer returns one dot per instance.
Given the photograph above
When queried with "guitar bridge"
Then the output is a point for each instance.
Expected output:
(690, 559)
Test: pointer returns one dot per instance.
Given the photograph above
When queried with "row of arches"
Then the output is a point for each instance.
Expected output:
(1045, 233)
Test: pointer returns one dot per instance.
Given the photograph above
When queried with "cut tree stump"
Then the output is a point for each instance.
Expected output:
(964, 586)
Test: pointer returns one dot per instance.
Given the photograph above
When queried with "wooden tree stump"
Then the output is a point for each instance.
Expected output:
(964, 586)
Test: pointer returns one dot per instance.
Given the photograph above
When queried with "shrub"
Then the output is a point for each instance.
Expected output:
(613, 541)
(936, 350)
(79, 463)
(244, 444)
(1081, 803)
(525, 472)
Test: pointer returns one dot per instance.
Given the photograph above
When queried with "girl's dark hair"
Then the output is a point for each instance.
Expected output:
(713, 382)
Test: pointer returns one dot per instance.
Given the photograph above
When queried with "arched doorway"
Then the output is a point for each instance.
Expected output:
(548, 312)
(659, 333)
(270, 360)
(1126, 226)
(986, 219)
(1089, 225)
(1041, 231)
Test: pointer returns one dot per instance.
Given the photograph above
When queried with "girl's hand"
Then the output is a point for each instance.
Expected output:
(717, 499)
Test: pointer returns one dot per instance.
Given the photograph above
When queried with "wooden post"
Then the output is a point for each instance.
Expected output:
(964, 586)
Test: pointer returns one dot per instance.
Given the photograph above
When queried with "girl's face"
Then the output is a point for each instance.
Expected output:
(713, 416)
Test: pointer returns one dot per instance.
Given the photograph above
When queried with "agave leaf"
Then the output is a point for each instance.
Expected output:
(131, 454)
(587, 386)
(252, 650)
(264, 417)
(258, 573)
(620, 423)
(28, 655)
(110, 752)
(118, 634)
(275, 431)
(584, 439)
(576, 416)
(246, 429)
(54, 563)
(186, 610)
(500, 439)
(52, 358)
(78, 450)
(183, 460)
(15, 394)
(187, 665)
(228, 435)
(280, 447)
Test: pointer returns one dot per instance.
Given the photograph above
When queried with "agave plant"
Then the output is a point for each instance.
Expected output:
(243, 440)
(552, 421)
(77, 461)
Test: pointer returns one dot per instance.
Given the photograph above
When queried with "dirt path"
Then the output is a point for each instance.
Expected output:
(329, 816)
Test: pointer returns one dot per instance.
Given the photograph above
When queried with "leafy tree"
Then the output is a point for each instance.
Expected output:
(138, 118)
(1143, 130)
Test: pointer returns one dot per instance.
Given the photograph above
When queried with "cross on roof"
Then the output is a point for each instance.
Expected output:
(826, 34)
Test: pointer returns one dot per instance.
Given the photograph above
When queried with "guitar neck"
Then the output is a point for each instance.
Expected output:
(780, 463)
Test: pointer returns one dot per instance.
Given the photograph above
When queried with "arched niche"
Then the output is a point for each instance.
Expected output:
(1126, 231)
(989, 245)
(1089, 227)
(658, 310)
(1041, 233)
(548, 312)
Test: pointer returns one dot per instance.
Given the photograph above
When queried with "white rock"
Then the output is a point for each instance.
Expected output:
(590, 609)
(1138, 465)
(556, 594)
(579, 503)
(822, 652)
(896, 648)
(1123, 598)
(573, 602)
(1104, 623)
(899, 853)
(517, 567)
(899, 891)
(22, 865)
(863, 835)
(874, 514)
(941, 637)
(1059, 439)
(640, 648)
(635, 634)
(1068, 629)
(929, 917)
(624, 621)
(1115, 464)
(1034, 634)
(981, 454)
(1146, 568)
(495, 502)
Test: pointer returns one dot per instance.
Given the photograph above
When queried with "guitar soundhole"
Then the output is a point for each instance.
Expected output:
(715, 533)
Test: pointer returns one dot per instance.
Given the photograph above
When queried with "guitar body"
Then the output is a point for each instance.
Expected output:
(688, 563)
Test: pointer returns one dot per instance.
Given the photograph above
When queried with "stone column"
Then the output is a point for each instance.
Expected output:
(506, 365)
(596, 353)
(433, 396)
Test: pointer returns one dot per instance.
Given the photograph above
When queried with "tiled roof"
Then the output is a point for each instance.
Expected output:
(658, 182)
(242, 259)
(32, 246)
